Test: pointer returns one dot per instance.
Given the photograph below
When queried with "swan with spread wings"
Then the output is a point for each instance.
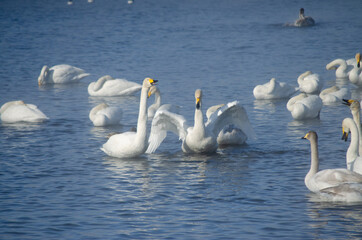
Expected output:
(202, 137)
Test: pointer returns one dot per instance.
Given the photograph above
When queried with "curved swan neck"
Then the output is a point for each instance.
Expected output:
(303, 75)
(96, 109)
(142, 117)
(157, 99)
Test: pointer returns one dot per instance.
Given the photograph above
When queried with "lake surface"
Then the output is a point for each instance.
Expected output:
(56, 183)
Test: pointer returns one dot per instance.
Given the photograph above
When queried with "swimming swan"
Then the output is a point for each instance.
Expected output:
(60, 74)
(316, 180)
(333, 95)
(201, 138)
(106, 86)
(304, 21)
(104, 115)
(353, 159)
(132, 144)
(18, 111)
(355, 75)
(309, 83)
(303, 106)
(346, 192)
(355, 108)
(273, 90)
(341, 67)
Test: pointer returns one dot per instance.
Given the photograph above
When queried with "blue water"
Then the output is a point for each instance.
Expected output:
(56, 183)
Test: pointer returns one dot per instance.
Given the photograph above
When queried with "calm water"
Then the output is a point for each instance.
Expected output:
(55, 182)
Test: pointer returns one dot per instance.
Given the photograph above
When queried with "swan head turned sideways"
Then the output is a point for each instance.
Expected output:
(43, 75)
(149, 82)
(358, 58)
(153, 89)
(311, 136)
(198, 96)
(354, 105)
(345, 128)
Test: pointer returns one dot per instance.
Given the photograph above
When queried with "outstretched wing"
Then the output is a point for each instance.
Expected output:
(232, 113)
(165, 121)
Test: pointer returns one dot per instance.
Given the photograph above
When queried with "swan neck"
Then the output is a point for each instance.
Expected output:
(199, 122)
(142, 117)
(352, 152)
(99, 84)
(157, 99)
(314, 158)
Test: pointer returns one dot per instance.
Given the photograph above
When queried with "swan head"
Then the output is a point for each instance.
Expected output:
(149, 82)
(43, 75)
(153, 89)
(358, 58)
(311, 136)
(346, 128)
(354, 105)
(198, 96)
(301, 11)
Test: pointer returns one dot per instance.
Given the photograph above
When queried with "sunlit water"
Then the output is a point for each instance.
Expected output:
(56, 183)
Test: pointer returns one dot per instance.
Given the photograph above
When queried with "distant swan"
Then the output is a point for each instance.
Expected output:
(60, 74)
(104, 115)
(355, 108)
(18, 111)
(153, 108)
(355, 75)
(341, 67)
(106, 86)
(310, 83)
(273, 90)
(334, 95)
(316, 180)
(303, 106)
(353, 159)
(304, 21)
(201, 138)
(132, 144)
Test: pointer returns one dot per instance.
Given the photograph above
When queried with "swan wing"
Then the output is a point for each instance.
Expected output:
(232, 113)
(163, 122)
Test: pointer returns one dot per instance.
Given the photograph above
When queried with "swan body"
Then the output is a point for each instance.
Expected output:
(355, 75)
(303, 106)
(316, 180)
(304, 21)
(104, 115)
(132, 144)
(273, 90)
(346, 192)
(334, 95)
(201, 138)
(106, 86)
(309, 83)
(354, 161)
(60, 74)
(341, 67)
(355, 108)
(18, 111)
(153, 108)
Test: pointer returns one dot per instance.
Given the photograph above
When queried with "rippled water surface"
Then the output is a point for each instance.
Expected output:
(56, 183)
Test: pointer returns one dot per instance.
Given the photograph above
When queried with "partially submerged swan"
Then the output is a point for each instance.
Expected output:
(106, 86)
(132, 144)
(60, 74)
(201, 138)
(104, 115)
(316, 180)
(334, 95)
(19, 111)
(304, 21)
(303, 106)
(353, 159)
(310, 83)
(274, 90)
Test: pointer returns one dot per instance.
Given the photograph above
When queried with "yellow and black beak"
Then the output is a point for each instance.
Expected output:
(198, 104)
(305, 137)
(345, 135)
(347, 102)
(153, 81)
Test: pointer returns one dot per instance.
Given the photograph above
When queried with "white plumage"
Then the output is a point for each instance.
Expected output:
(106, 86)
(274, 90)
(104, 115)
(353, 159)
(61, 74)
(310, 83)
(334, 95)
(18, 111)
(341, 67)
(303, 106)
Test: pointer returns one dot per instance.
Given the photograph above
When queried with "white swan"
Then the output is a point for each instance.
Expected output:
(60, 74)
(18, 111)
(132, 144)
(201, 138)
(303, 21)
(104, 115)
(334, 95)
(346, 192)
(310, 83)
(153, 108)
(316, 180)
(106, 86)
(355, 108)
(229, 135)
(353, 159)
(355, 75)
(341, 67)
(273, 90)
(303, 106)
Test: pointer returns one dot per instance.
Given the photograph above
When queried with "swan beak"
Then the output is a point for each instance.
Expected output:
(345, 135)
(198, 105)
(347, 102)
(149, 94)
(358, 58)
(153, 81)
(305, 137)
